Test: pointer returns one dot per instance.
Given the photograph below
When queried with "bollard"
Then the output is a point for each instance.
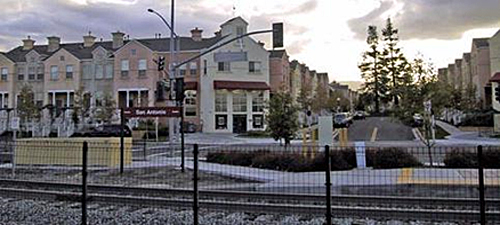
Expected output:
(84, 182)
(195, 185)
(328, 185)
(482, 203)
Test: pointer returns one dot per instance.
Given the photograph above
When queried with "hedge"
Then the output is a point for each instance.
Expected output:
(460, 158)
(344, 159)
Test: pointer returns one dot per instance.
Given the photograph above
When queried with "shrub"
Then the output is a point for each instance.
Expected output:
(344, 159)
(466, 159)
(392, 158)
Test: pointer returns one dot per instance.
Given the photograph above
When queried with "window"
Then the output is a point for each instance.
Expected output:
(99, 71)
(254, 67)
(31, 73)
(220, 102)
(124, 68)
(5, 74)
(69, 72)
(204, 67)
(133, 51)
(109, 71)
(20, 73)
(5, 103)
(61, 58)
(239, 31)
(53, 72)
(39, 75)
(190, 103)
(182, 70)
(142, 67)
(193, 69)
(258, 102)
(258, 121)
(87, 72)
(224, 66)
(220, 122)
(239, 102)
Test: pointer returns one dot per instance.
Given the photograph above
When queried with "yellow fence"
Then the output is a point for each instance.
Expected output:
(68, 151)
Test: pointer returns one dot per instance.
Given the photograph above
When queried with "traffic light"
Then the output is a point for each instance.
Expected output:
(497, 93)
(179, 89)
(160, 91)
(277, 35)
(161, 63)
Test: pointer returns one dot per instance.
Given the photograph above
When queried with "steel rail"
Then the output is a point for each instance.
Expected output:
(289, 197)
(337, 211)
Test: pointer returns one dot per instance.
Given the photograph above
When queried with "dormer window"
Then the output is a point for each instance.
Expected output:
(239, 31)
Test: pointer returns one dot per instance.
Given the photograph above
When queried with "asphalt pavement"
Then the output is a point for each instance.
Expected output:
(379, 129)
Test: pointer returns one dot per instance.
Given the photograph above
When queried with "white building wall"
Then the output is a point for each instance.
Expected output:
(238, 72)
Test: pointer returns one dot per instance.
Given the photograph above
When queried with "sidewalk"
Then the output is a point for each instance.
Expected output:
(452, 130)
(456, 135)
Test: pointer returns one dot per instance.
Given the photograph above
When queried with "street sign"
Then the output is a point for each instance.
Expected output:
(153, 112)
(14, 123)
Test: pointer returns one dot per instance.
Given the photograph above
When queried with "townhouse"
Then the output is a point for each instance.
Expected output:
(225, 90)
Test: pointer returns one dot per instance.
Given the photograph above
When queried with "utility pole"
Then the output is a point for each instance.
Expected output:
(171, 72)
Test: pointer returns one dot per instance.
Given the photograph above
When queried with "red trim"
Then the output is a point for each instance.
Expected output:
(240, 85)
(191, 85)
(495, 78)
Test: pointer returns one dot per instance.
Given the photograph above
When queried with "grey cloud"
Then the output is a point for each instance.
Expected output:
(433, 19)
(72, 21)
(306, 7)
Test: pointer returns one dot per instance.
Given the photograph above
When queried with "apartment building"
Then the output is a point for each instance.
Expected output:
(125, 70)
(236, 83)
(279, 71)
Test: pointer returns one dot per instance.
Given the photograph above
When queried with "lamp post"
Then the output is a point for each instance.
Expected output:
(172, 75)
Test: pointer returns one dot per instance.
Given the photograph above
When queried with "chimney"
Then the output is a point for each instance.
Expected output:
(117, 39)
(196, 34)
(88, 40)
(28, 43)
(53, 43)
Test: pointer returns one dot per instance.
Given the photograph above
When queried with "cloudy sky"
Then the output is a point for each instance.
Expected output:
(327, 35)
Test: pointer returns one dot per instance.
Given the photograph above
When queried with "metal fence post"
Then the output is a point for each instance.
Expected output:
(328, 185)
(195, 185)
(482, 203)
(122, 134)
(84, 182)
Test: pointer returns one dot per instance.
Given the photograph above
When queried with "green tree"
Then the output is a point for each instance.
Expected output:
(318, 102)
(282, 117)
(304, 98)
(105, 108)
(337, 102)
(26, 107)
(394, 62)
(375, 83)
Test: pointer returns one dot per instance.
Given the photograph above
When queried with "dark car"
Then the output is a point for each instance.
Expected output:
(359, 115)
(112, 130)
(341, 120)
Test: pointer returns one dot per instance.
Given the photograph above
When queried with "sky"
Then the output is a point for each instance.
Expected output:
(327, 35)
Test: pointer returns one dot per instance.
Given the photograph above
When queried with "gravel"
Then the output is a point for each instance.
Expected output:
(166, 176)
(20, 211)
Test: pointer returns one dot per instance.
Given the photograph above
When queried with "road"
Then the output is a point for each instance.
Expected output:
(379, 129)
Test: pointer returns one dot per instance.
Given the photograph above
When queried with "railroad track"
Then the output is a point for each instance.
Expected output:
(406, 208)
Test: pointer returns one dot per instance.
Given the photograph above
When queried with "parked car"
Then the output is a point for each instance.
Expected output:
(359, 115)
(111, 130)
(342, 120)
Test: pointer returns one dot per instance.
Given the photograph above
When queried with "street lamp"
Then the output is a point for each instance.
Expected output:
(172, 75)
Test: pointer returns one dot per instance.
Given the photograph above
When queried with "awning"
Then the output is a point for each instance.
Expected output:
(191, 85)
(495, 78)
(240, 85)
